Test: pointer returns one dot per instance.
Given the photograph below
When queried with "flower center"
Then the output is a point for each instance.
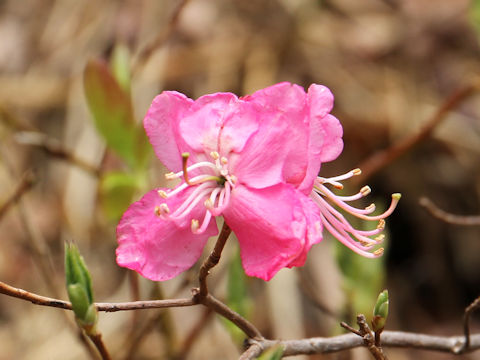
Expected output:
(360, 241)
(212, 184)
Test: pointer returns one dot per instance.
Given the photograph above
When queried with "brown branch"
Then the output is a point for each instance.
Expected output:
(450, 344)
(252, 352)
(161, 39)
(25, 184)
(384, 157)
(448, 217)
(53, 148)
(107, 307)
(397, 339)
(97, 340)
(466, 321)
(212, 259)
(220, 308)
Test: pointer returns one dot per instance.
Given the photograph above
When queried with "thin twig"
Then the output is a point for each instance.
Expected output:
(448, 217)
(384, 157)
(450, 344)
(97, 340)
(397, 339)
(212, 259)
(351, 329)
(54, 148)
(26, 182)
(466, 321)
(107, 307)
(161, 39)
(220, 308)
(252, 352)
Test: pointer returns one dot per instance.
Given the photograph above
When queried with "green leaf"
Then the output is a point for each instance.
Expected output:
(274, 353)
(112, 111)
(117, 190)
(120, 65)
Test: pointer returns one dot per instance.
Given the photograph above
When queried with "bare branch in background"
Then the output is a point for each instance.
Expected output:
(26, 182)
(53, 148)
(448, 217)
(385, 157)
(161, 39)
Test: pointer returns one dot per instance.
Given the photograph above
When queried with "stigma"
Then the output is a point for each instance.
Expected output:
(211, 184)
(363, 242)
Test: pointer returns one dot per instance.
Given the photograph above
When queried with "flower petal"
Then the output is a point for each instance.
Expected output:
(325, 138)
(276, 150)
(314, 229)
(218, 122)
(162, 127)
(271, 226)
(158, 248)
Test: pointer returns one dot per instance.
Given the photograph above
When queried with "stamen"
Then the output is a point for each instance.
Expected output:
(359, 241)
(206, 220)
(198, 194)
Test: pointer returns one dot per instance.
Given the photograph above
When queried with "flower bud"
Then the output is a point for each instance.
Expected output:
(380, 312)
(79, 288)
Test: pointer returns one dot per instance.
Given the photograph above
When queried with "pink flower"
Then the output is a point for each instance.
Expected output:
(252, 160)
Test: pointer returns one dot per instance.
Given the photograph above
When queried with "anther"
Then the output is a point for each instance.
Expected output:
(370, 207)
(224, 160)
(215, 155)
(356, 172)
(337, 186)
(171, 176)
(162, 194)
(365, 190)
(379, 238)
(195, 225)
(396, 196)
(379, 252)
(381, 224)
(164, 209)
(208, 203)
(158, 212)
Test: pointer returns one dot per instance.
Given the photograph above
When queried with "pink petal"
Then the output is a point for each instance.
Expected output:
(325, 139)
(218, 122)
(278, 149)
(161, 125)
(272, 227)
(156, 248)
(314, 229)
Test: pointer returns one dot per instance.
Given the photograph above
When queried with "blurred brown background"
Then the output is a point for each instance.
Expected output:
(390, 64)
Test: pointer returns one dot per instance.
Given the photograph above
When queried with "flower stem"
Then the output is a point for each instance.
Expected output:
(97, 340)
(212, 259)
